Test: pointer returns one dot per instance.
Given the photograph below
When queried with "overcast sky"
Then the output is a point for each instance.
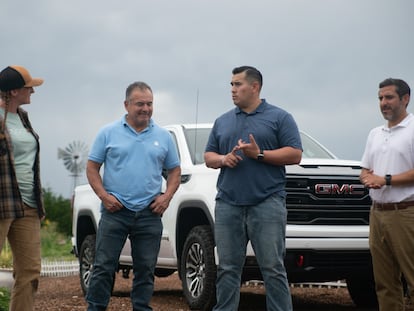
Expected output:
(321, 60)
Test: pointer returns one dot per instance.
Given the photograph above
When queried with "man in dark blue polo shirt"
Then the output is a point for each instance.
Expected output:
(251, 144)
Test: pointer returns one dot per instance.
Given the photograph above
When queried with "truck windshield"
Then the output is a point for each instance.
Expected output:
(197, 140)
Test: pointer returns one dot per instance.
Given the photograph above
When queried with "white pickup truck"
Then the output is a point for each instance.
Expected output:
(326, 238)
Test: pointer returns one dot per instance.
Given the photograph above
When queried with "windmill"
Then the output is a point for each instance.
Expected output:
(74, 158)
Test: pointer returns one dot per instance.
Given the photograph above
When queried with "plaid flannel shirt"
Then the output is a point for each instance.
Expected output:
(11, 203)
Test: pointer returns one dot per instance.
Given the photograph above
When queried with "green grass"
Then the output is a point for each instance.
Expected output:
(5, 256)
(54, 244)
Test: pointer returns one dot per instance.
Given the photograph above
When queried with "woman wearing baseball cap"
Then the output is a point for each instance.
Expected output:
(21, 206)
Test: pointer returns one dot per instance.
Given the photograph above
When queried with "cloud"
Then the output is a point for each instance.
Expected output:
(321, 60)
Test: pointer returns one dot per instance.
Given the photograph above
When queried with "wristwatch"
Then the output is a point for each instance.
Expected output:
(260, 156)
(388, 178)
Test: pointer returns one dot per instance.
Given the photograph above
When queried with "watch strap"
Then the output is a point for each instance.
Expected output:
(388, 178)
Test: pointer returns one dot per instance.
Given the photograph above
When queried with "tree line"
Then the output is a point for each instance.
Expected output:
(58, 210)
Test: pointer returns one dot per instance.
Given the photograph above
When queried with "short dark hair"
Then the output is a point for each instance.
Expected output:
(136, 85)
(401, 86)
(252, 74)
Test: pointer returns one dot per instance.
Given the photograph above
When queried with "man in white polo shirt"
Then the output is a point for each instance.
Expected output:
(388, 170)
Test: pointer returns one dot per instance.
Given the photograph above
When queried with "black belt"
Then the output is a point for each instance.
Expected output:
(392, 206)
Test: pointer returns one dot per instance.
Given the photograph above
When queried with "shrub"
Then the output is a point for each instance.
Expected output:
(58, 210)
(4, 299)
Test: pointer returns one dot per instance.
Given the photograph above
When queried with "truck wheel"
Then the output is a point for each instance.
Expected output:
(362, 291)
(86, 259)
(198, 269)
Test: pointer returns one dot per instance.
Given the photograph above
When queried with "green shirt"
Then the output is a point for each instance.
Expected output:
(11, 200)
(24, 152)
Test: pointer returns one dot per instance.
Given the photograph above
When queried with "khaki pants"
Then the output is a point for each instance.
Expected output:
(392, 247)
(24, 238)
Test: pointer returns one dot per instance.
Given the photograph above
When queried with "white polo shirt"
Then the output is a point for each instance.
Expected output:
(391, 151)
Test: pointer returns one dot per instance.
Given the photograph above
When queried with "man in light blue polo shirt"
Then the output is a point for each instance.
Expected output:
(134, 151)
(251, 144)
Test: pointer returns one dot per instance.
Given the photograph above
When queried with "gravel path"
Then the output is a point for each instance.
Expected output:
(64, 294)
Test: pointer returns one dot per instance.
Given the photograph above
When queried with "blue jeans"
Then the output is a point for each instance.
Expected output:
(264, 225)
(144, 230)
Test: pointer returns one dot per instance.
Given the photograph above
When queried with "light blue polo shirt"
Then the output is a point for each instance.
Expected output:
(252, 181)
(133, 161)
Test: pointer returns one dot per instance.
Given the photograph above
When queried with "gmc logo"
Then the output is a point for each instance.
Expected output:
(346, 189)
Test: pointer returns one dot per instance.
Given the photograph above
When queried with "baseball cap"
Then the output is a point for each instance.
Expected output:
(16, 77)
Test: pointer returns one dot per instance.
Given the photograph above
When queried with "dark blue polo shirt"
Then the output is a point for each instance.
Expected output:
(252, 181)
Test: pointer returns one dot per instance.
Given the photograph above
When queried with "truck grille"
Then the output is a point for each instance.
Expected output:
(338, 200)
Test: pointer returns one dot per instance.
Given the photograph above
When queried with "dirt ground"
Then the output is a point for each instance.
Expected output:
(65, 294)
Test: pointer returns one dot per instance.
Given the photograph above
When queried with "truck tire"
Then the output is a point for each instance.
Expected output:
(86, 259)
(198, 269)
(362, 291)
